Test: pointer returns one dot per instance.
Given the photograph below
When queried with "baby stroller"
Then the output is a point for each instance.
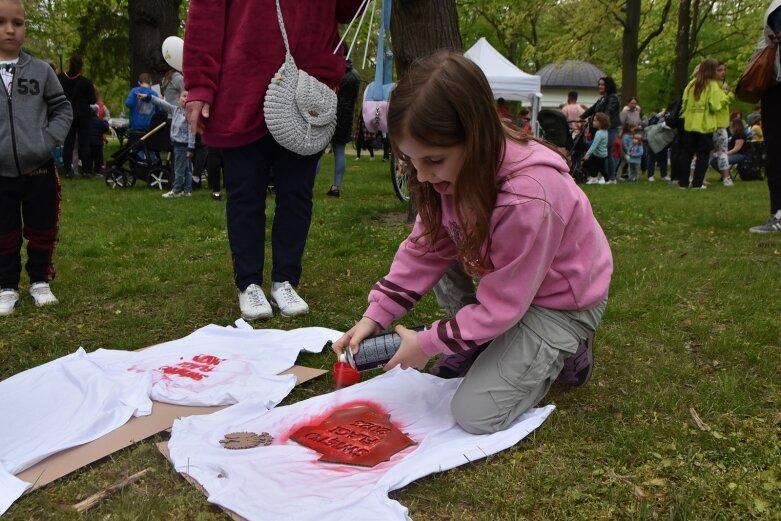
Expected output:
(146, 156)
(578, 150)
(555, 130)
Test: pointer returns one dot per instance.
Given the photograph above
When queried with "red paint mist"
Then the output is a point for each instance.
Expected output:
(345, 375)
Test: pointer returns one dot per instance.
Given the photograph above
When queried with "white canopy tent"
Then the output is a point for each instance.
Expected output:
(506, 80)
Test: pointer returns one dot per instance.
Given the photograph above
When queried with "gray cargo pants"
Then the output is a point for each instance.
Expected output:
(517, 368)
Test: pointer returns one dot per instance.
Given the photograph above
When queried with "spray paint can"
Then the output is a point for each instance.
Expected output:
(375, 351)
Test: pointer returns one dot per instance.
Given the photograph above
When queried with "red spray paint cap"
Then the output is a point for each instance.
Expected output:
(345, 375)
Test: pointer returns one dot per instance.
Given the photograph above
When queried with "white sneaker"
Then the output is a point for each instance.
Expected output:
(728, 181)
(612, 182)
(9, 299)
(42, 294)
(651, 179)
(601, 180)
(285, 297)
(253, 303)
(592, 181)
(171, 195)
(667, 179)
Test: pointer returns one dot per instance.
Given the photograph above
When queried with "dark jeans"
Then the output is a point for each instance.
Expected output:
(214, 169)
(79, 128)
(660, 159)
(247, 171)
(29, 209)
(96, 156)
(692, 143)
(771, 127)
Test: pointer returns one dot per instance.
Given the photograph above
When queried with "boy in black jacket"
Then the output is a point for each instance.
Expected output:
(34, 118)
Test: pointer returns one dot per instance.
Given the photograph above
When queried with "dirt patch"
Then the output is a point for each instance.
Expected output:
(394, 219)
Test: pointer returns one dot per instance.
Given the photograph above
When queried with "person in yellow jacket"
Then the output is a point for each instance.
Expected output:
(703, 109)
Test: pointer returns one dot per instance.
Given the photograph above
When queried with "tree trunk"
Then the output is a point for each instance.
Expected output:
(151, 22)
(630, 53)
(419, 28)
(682, 49)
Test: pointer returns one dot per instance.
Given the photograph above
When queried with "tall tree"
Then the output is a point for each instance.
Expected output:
(682, 46)
(421, 27)
(151, 22)
(628, 16)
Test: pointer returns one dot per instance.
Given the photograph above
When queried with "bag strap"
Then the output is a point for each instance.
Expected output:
(282, 28)
(284, 32)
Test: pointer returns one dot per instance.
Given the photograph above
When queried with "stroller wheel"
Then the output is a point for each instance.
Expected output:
(119, 178)
(159, 178)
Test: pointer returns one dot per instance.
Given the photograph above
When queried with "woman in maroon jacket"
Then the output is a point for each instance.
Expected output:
(232, 49)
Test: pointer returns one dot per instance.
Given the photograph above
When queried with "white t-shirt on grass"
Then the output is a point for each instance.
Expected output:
(285, 480)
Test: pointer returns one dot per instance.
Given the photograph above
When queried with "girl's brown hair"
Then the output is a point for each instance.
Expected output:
(444, 100)
(706, 73)
(601, 121)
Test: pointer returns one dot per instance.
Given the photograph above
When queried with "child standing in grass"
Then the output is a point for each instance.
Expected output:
(35, 117)
(500, 207)
(635, 157)
(596, 167)
(183, 142)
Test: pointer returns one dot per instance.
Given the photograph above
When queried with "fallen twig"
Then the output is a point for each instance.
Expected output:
(701, 424)
(118, 485)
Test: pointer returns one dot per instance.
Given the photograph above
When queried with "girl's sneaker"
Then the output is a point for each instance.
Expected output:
(171, 195)
(577, 368)
(42, 294)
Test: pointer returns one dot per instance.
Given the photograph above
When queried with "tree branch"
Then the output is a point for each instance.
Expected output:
(656, 32)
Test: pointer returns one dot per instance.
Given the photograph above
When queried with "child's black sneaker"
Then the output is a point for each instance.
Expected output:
(577, 368)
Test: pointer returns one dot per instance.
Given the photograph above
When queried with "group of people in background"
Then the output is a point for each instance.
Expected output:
(623, 150)
(701, 130)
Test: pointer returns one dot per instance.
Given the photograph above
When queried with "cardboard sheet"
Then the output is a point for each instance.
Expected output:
(135, 430)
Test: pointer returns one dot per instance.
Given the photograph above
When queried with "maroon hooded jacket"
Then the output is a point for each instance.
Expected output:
(232, 49)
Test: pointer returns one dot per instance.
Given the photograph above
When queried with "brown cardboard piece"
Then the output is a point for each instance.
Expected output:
(163, 448)
(135, 430)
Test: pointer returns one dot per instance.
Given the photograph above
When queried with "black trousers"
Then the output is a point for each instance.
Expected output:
(771, 128)
(248, 170)
(692, 143)
(79, 128)
(29, 209)
(96, 155)
(214, 169)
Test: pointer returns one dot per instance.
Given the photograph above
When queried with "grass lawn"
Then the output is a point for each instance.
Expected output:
(692, 323)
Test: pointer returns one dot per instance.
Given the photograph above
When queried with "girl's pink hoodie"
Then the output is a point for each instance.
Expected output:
(545, 248)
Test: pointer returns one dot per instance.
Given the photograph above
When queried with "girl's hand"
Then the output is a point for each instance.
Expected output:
(409, 354)
(365, 328)
(585, 158)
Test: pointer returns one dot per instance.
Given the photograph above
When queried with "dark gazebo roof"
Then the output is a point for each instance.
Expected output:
(571, 73)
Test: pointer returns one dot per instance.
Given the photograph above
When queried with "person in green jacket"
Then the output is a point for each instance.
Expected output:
(704, 102)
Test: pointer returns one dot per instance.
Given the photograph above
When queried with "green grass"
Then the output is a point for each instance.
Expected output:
(693, 321)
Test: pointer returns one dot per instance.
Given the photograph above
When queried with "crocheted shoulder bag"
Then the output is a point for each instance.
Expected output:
(300, 111)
